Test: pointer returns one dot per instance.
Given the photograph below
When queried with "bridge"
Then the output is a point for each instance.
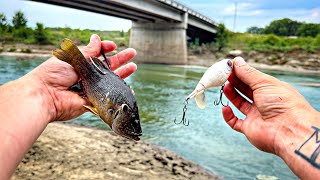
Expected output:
(160, 28)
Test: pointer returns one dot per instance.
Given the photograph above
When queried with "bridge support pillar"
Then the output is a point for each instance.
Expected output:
(161, 42)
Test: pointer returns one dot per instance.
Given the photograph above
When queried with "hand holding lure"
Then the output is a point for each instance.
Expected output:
(215, 76)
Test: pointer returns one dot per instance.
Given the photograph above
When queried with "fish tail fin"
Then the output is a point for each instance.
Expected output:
(200, 99)
(69, 52)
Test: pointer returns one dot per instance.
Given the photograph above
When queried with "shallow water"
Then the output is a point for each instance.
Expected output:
(208, 141)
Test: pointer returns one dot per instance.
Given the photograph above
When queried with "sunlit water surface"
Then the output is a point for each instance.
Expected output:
(208, 141)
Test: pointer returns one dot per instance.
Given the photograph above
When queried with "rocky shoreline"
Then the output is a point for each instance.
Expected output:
(296, 62)
(68, 151)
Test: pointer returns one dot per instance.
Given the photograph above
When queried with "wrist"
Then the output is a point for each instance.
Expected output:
(298, 139)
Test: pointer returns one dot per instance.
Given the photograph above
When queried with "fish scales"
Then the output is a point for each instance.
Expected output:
(110, 97)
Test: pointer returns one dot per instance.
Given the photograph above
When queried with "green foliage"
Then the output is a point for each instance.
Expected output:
(255, 30)
(222, 37)
(40, 34)
(270, 43)
(121, 33)
(22, 33)
(12, 50)
(19, 20)
(27, 50)
(316, 42)
(283, 27)
(3, 22)
(309, 30)
(271, 40)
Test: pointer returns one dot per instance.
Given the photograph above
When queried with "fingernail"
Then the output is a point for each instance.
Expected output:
(94, 38)
(239, 61)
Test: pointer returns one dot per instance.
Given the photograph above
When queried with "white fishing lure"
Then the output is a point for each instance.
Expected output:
(215, 76)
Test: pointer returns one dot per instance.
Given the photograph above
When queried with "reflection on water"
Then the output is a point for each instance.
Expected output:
(208, 141)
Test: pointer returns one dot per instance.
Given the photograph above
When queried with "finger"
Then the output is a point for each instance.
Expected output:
(72, 106)
(126, 70)
(108, 46)
(249, 75)
(121, 58)
(236, 99)
(234, 122)
(93, 48)
(243, 88)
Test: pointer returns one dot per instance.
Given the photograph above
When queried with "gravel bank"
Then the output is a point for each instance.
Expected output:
(66, 151)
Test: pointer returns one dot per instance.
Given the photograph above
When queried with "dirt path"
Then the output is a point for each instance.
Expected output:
(66, 151)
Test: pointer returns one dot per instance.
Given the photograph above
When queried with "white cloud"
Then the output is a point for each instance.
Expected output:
(243, 9)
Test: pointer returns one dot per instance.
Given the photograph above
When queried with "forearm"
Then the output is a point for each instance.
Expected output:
(24, 115)
(299, 148)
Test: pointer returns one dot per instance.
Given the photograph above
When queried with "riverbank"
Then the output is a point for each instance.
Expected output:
(294, 61)
(68, 151)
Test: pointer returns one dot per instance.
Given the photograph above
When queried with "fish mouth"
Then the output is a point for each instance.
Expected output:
(128, 133)
(132, 137)
(125, 131)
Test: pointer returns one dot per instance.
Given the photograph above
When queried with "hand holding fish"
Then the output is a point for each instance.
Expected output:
(40, 97)
(278, 118)
(58, 76)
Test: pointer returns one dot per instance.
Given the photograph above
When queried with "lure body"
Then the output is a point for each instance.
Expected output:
(215, 76)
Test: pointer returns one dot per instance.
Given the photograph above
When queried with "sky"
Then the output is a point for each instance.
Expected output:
(249, 13)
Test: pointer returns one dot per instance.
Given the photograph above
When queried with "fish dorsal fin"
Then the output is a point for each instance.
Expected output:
(92, 109)
(99, 65)
(201, 99)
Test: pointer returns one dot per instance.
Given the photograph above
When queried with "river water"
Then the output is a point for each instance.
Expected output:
(207, 141)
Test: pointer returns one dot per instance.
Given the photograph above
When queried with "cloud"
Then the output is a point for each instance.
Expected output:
(315, 15)
(243, 9)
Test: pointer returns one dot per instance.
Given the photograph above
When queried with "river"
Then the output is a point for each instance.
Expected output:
(208, 141)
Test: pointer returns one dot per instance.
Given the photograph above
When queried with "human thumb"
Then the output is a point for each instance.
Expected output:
(246, 73)
(93, 48)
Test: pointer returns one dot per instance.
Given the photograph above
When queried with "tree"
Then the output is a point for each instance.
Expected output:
(222, 37)
(309, 30)
(40, 34)
(255, 30)
(283, 27)
(19, 20)
(122, 33)
(3, 22)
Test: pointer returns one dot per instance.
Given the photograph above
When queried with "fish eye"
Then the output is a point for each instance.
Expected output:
(110, 111)
(125, 107)
(229, 63)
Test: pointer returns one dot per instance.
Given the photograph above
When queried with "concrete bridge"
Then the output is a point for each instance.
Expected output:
(160, 28)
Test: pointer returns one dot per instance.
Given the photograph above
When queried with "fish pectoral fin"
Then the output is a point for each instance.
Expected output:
(92, 109)
(201, 99)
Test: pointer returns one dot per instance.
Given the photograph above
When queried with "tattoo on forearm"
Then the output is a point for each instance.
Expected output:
(313, 142)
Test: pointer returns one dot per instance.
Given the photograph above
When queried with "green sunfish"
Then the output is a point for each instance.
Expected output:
(110, 97)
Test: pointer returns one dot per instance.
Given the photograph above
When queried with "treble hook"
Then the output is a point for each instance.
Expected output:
(183, 120)
(217, 102)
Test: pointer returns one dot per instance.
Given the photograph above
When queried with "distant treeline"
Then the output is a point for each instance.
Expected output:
(274, 37)
(288, 27)
(17, 31)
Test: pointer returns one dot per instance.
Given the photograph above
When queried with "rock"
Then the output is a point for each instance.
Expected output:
(265, 177)
(294, 63)
(235, 53)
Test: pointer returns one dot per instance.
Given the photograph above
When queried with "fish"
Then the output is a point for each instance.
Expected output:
(110, 97)
(216, 75)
